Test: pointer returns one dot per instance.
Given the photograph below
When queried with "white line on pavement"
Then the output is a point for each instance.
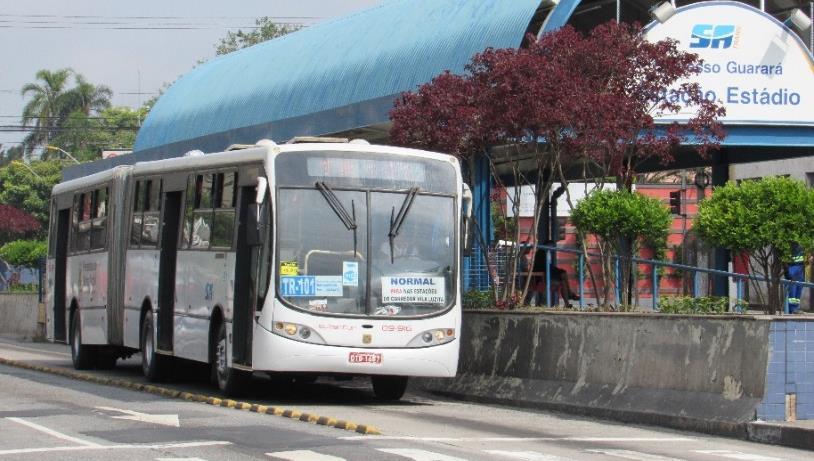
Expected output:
(303, 455)
(635, 455)
(115, 447)
(519, 439)
(737, 455)
(180, 459)
(33, 349)
(419, 455)
(527, 455)
(52, 432)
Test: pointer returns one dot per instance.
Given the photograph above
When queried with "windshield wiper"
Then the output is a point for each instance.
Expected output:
(397, 220)
(348, 219)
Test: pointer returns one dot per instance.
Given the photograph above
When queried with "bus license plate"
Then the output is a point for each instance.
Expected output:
(374, 358)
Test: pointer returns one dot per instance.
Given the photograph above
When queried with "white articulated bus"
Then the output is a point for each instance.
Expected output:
(304, 258)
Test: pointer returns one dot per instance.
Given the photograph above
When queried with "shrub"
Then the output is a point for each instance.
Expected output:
(474, 300)
(25, 253)
(764, 219)
(689, 305)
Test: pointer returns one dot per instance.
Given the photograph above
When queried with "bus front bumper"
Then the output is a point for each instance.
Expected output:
(271, 352)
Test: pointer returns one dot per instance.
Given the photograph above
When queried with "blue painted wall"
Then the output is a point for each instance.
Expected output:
(790, 369)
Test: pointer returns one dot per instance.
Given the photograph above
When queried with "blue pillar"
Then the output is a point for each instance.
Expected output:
(478, 273)
(720, 175)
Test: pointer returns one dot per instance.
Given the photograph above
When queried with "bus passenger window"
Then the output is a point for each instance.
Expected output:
(223, 229)
(204, 191)
(98, 232)
(186, 233)
(154, 198)
(201, 230)
(135, 230)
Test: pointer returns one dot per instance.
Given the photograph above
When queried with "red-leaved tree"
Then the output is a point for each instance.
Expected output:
(16, 224)
(565, 102)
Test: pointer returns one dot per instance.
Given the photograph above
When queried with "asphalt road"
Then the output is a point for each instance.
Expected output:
(48, 417)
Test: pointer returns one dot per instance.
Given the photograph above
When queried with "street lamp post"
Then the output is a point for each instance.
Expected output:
(28, 167)
(64, 152)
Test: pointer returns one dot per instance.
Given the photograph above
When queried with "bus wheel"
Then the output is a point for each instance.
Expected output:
(389, 387)
(80, 354)
(230, 381)
(153, 365)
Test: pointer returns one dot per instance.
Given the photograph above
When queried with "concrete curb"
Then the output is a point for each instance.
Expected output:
(365, 429)
(779, 434)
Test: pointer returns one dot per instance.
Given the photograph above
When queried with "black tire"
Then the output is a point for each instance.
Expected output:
(230, 381)
(81, 354)
(153, 365)
(389, 387)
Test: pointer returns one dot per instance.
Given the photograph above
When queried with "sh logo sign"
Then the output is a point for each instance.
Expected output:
(712, 36)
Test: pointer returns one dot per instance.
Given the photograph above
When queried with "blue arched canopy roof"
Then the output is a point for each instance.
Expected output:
(328, 78)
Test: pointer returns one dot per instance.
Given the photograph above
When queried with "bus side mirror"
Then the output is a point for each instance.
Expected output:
(254, 225)
(466, 212)
(262, 185)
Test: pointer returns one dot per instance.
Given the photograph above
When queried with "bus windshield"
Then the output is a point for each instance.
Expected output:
(365, 247)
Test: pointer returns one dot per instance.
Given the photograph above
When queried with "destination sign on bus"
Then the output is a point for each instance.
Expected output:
(389, 170)
(411, 289)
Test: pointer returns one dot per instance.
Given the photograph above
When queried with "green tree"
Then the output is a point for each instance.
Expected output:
(86, 97)
(113, 128)
(764, 219)
(53, 107)
(46, 105)
(266, 30)
(26, 253)
(11, 154)
(24, 190)
(623, 223)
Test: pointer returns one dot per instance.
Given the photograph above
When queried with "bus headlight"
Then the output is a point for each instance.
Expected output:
(297, 332)
(433, 337)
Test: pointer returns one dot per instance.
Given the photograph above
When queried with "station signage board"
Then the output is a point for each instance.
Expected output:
(754, 65)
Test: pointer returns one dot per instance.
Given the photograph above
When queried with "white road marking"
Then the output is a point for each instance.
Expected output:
(527, 455)
(180, 459)
(635, 455)
(737, 455)
(519, 439)
(419, 455)
(32, 349)
(164, 420)
(115, 447)
(53, 433)
(303, 455)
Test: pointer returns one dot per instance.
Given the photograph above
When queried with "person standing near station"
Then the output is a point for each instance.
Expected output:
(795, 272)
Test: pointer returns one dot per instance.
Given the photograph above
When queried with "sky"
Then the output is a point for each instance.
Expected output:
(133, 47)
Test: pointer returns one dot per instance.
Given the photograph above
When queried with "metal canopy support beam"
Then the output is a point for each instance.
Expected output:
(478, 277)
(720, 175)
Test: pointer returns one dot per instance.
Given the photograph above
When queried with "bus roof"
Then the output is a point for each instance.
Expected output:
(252, 154)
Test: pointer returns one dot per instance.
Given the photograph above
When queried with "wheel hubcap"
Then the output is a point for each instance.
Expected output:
(220, 355)
(148, 349)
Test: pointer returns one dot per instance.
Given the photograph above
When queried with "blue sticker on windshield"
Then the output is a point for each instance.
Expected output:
(350, 273)
(304, 285)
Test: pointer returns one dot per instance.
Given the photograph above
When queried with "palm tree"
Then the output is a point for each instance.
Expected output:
(47, 105)
(86, 97)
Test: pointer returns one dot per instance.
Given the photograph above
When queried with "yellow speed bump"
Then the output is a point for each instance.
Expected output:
(193, 397)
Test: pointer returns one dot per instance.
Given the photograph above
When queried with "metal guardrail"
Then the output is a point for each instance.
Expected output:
(739, 279)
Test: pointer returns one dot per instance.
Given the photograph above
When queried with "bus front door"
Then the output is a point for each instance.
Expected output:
(247, 257)
(173, 211)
